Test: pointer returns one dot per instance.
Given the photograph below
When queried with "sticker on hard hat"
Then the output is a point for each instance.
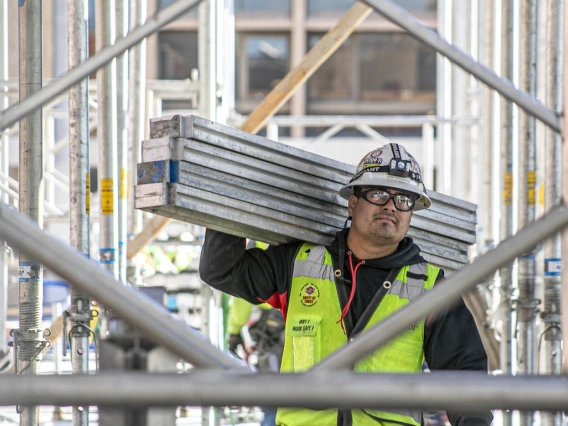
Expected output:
(400, 179)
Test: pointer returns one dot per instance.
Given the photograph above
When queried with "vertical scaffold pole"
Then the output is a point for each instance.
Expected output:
(444, 96)
(137, 100)
(486, 40)
(106, 135)
(122, 137)
(506, 291)
(80, 195)
(553, 196)
(564, 291)
(28, 339)
(208, 59)
(460, 135)
(527, 303)
(4, 168)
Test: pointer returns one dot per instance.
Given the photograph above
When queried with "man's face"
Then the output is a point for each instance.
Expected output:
(378, 224)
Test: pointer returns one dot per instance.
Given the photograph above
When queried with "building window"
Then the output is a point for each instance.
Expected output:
(324, 7)
(177, 53)
(192, 14)
(262, 61)
(394, 66)
(262, 6)
(333, 80)
(321, 8)
(375, 73)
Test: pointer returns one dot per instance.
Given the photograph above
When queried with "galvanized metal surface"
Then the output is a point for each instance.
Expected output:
(107, 135)
(79, 199)
(527, 303)
(137, 100)
(29, 336)
(122, 118)
(506, 272)
(52, 90)
(553, 195)
(344, 389)
(141, 312)
(226, 179)
(501, 84)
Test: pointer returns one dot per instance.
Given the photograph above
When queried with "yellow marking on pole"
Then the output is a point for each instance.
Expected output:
(123, 184)
(508, 188)
(531, 187)
(88, 193)
(541, 195)
(107, 196)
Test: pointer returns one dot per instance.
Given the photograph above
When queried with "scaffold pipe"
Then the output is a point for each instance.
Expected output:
(417, 29)
(136, 309)
(342, 389)
(79, 313)
(551, 314)
(163, 17)
(28, 338)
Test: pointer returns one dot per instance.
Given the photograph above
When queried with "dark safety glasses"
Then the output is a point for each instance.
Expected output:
(380, 197)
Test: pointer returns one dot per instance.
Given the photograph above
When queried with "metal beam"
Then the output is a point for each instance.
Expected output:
(417, 29)
(294, 79)
(139, 311)
(448, 292)
(161, 18)
(564, 265)
(79, 196)
(343, 389)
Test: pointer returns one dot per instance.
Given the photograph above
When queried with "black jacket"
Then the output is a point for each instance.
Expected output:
(451, 340)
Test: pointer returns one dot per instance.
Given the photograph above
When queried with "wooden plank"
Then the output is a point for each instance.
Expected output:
(279, 95)
(311, 62)
(148, 234)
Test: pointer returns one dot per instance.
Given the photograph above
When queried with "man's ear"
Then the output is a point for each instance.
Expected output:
(351, 204)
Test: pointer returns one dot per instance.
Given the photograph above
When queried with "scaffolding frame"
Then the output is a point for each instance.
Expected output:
(23, 234)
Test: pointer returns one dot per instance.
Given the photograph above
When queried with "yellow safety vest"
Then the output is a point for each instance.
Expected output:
(312, 333)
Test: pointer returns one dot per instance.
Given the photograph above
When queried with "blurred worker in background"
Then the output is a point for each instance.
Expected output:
(369, 271)
(260, 332)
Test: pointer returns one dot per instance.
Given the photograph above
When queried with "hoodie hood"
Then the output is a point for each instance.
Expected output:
(408, 253)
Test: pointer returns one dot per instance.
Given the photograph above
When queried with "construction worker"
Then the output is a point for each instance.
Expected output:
(265, 328)
(367, 273)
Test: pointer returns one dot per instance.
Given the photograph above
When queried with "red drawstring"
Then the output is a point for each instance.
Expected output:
(353, 287)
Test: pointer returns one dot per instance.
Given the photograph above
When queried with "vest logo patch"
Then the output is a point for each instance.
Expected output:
(309, 294)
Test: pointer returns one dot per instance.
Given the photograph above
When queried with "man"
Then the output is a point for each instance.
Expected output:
(368, 272)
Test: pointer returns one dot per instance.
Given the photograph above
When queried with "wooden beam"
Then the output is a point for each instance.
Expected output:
(148, 234)
(275, 99)
(311, 62)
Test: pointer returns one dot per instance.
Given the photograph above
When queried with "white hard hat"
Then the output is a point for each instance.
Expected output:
(390, 166)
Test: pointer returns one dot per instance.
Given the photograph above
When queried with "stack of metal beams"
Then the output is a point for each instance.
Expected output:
(201, 172)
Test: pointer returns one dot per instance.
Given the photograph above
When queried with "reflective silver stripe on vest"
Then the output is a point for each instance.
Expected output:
(414, 287)
(313, 266)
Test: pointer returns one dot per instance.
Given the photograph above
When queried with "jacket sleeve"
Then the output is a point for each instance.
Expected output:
(452, 342)
(255, 275)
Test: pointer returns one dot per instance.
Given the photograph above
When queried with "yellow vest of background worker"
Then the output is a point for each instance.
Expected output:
(313, 332)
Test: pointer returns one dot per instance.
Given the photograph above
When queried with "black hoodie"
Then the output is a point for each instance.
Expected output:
(451, 339)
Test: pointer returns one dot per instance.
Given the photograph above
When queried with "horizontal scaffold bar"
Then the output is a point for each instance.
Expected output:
(340, 389)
